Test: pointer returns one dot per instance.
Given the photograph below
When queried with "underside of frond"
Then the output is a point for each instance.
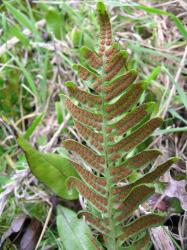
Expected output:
(112, 122)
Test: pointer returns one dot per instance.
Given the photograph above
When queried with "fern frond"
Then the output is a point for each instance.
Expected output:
(142, 243)
(135, 162)
(87, 75)
(132, 118)
(96, 222)
(146, 179)
(82, 96)
(125, 102)
(131, 201)
(119, 85)
(97, 183)
(142, 223)
(89, 135)
(92, 58)
(112, 123)
(136, 137)
(96, 199)
(89, 156)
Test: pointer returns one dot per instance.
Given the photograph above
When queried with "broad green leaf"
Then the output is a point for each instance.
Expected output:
(74, 232)
(55, 22)
(33, 126)
(51, 169)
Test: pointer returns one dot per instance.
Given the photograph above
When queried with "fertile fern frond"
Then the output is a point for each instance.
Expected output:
(112, 123)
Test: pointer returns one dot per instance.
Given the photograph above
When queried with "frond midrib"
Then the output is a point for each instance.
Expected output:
(111, 241)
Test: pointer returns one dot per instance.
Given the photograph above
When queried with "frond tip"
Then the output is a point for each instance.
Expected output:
(105, 28)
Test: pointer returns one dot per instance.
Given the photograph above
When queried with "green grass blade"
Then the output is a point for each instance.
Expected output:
(180, 26)
(153, 75)
(33, 126)
(180, 91)
(58, 108)
(19, 16)
(27, 75)
(15, 31)
(175, 114)
(176, 20)
(170, 130)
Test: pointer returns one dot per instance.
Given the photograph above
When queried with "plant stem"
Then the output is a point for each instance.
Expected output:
(111, 239)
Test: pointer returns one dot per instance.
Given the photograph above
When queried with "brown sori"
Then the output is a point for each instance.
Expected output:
(112, 122)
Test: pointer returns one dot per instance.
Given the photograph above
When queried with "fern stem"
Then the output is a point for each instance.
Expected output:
(110, 240)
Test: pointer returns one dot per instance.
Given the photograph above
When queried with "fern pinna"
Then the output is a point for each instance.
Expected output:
(112, 123)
